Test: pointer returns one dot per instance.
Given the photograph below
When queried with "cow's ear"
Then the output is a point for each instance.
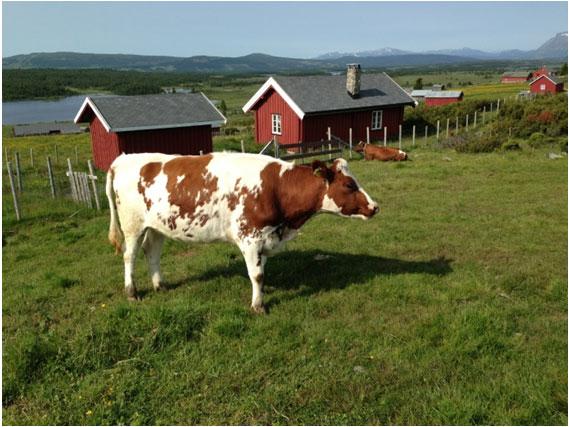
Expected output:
(320, 169)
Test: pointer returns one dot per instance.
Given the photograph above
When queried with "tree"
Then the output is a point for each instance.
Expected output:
(563, 70)
(418, 84)
(223, 107)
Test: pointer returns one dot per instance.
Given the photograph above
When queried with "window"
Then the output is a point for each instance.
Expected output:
(276, 121)
(542, 86)
(376, 119)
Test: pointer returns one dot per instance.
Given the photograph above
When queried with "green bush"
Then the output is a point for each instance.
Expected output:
(475, 142)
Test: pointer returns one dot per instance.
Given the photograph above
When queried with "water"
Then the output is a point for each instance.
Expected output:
(23, 112)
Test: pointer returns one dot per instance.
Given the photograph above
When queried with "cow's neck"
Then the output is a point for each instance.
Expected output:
(300, 195)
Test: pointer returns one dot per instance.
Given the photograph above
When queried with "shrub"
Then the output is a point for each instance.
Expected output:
(475, 142)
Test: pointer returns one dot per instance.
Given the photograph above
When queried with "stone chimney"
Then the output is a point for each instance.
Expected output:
(353, 80)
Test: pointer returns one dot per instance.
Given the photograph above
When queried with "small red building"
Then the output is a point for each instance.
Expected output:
(515, 77)
(302, 108)
(165, 123)
(443, 97)
(545, 84)
(543, 71)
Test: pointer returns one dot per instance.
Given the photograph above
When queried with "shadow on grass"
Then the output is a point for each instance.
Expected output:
(310, 272)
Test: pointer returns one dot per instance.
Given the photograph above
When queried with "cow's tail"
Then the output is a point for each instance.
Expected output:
(115, 233)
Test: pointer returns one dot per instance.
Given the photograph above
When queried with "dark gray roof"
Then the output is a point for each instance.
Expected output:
(328, 93)
(516, 74)
(126, 113)
(46, 129)
(552, 78)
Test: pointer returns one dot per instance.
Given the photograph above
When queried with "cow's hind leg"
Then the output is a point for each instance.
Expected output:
(152, 247)
(131, 245)
(255, 261)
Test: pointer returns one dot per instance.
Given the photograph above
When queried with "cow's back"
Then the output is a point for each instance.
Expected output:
(189, 198)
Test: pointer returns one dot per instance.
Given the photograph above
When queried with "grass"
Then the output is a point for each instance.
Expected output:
(450, 307)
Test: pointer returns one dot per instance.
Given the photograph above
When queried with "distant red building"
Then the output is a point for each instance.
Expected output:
(166, 123)
(301, 108)
(545, 84)
(515, 77)
(543, 71)
(435, 98)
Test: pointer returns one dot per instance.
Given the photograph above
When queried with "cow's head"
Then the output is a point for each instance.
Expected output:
(360, 147)
(343, 195)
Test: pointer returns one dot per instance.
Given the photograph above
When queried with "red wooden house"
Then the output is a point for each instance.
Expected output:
(166, 123)
(515, 77)
(545, 84)
(301, 108)
(443, 97)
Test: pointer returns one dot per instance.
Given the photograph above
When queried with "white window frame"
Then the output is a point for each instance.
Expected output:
(374, 124)
(276, 124)
(542, 86)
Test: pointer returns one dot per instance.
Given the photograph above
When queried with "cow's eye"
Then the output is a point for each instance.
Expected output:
(352, 186)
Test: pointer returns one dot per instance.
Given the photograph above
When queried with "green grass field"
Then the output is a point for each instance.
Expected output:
(449, 307)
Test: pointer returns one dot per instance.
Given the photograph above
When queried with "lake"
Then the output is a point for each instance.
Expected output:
(21, 112)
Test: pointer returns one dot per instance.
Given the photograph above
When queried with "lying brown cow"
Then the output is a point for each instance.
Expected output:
(375, 152)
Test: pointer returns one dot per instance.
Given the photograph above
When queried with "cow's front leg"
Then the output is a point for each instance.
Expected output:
(255, 261)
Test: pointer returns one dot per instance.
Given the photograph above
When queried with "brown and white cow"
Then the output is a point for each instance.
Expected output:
(254, 201)
(375, 152)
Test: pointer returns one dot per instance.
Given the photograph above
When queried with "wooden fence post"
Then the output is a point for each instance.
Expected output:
(400, 134)
(6, 155)
(367, 134)
(242, 148)
(426, 133)
(329, 133)
(475, 113)
(438, 128)
(456, 127)
(201, 152)
(385, 136)
(18, 172)
(32, 157)
(12, 187)
(467, 122)
(448, 124)
(498, 106)
(484, 115)
(93, 178)
(490, 107)
(413, 135)
(351, 143)
(72, 182)
(50, 176)
(509, 132)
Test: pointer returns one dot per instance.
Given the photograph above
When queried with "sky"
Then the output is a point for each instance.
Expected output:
(290, 29)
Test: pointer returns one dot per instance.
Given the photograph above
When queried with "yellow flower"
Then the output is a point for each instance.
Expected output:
(103, 305)
(89, 412)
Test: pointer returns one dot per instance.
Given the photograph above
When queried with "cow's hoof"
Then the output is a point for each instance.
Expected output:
(160, 288)
(259, 309)
(131, 293)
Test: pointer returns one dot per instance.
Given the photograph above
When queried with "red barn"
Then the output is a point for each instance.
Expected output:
(166, 123)
(301, 108)
(546, 84)
(443, 97)
(515, 77)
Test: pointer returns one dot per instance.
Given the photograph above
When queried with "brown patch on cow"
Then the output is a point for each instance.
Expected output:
(148, 173)
(259, 278)
(290, 199)
(194, 190)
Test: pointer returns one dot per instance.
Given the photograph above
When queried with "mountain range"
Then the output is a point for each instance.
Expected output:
(555, 48)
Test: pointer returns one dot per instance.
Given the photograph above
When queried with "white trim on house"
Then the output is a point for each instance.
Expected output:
(415, 102)
(91, 104)
(547, 77)
(271, 82)
(215, 108)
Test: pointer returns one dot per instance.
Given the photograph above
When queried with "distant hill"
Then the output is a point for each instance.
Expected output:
(255, 63)
(555, 48)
